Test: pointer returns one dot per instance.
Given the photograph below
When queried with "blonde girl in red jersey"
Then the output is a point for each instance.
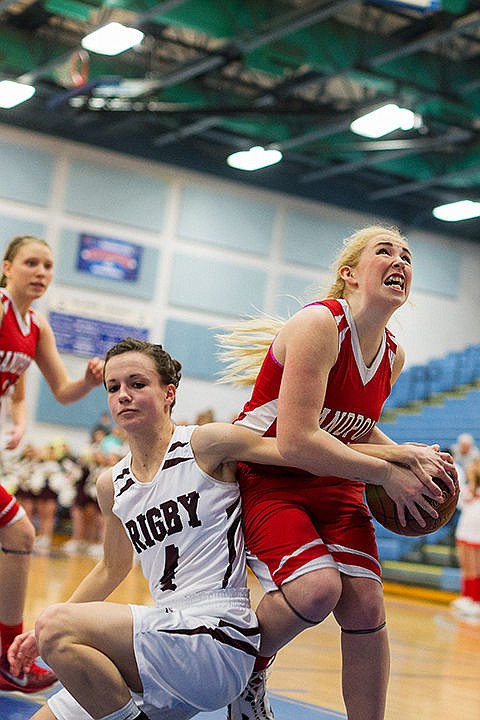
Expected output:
(320, 387)
(26, 335)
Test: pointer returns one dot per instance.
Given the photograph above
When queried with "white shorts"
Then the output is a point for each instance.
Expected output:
(190, 660)
(468, 526)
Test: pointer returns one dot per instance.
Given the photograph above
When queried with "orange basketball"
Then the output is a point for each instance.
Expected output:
(384, 511)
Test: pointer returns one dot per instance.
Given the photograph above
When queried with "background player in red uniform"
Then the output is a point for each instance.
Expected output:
(26, 335)
(320, 390)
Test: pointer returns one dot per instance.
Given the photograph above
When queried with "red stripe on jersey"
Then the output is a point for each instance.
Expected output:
(18, 342)
(9, 507)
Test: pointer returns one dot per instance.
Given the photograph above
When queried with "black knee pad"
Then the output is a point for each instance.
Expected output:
(367, 631)
(295, 612)
(9, 551)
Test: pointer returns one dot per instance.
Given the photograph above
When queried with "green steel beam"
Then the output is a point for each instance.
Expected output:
(73, 9)
(19, 56)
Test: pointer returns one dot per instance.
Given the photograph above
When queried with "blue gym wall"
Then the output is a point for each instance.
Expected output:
(211, 251)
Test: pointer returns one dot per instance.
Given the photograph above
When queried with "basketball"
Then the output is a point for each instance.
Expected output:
(384, 511)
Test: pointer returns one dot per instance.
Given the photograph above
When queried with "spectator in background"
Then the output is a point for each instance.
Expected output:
(115, 442)
(22, 467)
(39, 499)
(468, 543)
(48, 484)
(465, 451)
(204, 417)
(453, 522)
(104, 423)
(87, 523)
(97, 436)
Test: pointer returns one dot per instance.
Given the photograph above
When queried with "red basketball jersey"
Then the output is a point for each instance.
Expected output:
(295, 522)
(355, 393)
(18, 342)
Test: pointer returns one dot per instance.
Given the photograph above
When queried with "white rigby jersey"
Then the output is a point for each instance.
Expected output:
(184, 525)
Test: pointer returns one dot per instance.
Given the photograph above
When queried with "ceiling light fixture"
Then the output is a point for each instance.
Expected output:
(13, 93)
(254, 159)
(112, 39)
(455, 211)
(421, 5)
(384, 120)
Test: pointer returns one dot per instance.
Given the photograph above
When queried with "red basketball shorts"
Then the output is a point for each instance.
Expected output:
(295, 524)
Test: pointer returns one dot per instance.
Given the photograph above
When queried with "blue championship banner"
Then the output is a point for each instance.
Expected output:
(86, 336)
(109, 258)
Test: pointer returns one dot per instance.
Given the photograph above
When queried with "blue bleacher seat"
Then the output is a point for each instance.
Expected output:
(436, 423)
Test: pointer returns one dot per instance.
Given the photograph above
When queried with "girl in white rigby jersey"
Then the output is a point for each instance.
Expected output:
(173, 501)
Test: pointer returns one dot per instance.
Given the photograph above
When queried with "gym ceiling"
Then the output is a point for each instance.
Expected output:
(215, 76)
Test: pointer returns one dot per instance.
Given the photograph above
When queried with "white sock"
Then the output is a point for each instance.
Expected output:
(129, 712)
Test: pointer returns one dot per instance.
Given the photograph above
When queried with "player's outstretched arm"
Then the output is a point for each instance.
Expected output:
(64, 388)
(215, 444)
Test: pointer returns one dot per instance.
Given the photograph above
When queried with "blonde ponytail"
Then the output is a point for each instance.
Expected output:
(244, 346)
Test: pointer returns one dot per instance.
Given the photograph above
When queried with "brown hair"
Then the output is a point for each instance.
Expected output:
(14, 246)
(168, 369)
(245, 344)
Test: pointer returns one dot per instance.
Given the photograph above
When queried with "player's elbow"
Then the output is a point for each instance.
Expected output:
(64, 396)
(116, 568)
(292, 449)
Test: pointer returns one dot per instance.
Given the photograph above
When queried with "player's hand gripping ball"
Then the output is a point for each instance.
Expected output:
(384, 511)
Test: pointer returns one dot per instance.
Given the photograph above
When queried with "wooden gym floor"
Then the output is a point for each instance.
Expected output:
(435, 654)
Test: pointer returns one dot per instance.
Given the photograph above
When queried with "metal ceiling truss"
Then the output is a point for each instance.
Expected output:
(283, 73)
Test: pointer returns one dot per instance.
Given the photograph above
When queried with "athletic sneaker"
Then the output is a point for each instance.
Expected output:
(95, 550)
(42, 545)
(464, 605)
(74, 547)
(37, 679)
(253, 703)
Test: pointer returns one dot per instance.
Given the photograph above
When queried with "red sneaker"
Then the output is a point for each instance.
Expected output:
(37, 679)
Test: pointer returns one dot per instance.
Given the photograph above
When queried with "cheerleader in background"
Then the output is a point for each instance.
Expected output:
(467, 536)
(87, 521)
(48, 483)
